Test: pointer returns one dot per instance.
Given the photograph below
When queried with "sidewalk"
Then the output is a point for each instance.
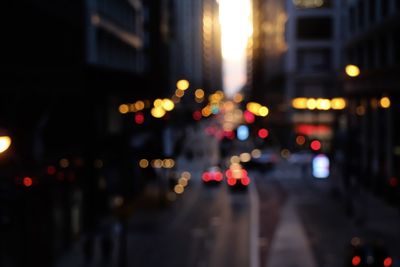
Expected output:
(290, 246)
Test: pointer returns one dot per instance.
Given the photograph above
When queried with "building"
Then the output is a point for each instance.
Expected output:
(372, 42)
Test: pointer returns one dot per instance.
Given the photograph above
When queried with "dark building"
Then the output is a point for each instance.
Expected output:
(372, 43)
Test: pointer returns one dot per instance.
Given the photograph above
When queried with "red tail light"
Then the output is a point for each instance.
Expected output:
(206, 177)
(27, 181)
(231, 181)
(356, 260)
(218, 176)
(245, 181)
(388, 262)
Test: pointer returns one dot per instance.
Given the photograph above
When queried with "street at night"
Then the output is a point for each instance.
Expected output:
(200, 133)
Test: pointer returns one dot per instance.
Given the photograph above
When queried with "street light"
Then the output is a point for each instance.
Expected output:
(5, 143)
(352, 70)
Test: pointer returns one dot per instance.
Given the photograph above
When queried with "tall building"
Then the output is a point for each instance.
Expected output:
(372, 42)
(312, 64)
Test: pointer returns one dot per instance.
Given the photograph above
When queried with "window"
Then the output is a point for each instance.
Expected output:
(314, 60)
(316, 28)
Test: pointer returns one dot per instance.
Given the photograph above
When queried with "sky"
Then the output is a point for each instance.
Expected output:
(236, 29)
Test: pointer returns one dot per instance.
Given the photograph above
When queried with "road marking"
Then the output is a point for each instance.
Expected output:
(254, 226)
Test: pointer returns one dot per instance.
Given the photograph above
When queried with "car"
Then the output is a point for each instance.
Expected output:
(368, 253)
(237, 177)
(213, 175)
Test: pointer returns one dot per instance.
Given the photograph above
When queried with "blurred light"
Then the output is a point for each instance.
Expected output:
(231, 181)
(248, 116)
(253, 107)
(374, 103)
(64, 163)
(206, 111)
(197, 115)
(182, 85)
(123, 109)
(352, 70)
(385, 102)
(393, 182)
(245, 181)
(311, 103)
(320, 166)
(168, 163)
(183, 181)
(98, 164)
(338, 103)
(263, 133)
(171, 196)
(167, 104)
(360, 110)
(256, 153)
(179, 189)
(300, 140)
(235, 159)
(139, 105)
(139, 118)
(187, 175)
(242, 132)
(199, 100)
(157, 163)
(176, 99)
(387, 262)
(158, 103)
(143, 163)
(118, 201)
(179, 93)
(245, 157)
(355, 241)
(285, 153)
(5, 142)
(27, 181)
(51, 170)
(263, 111)
(199, 93)
(356, 260)
(206, 177)
(315, 145)
(323, 104)
(157, 112)
(299, 103)
(237, 98)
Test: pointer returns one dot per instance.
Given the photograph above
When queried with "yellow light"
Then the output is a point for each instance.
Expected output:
(263, 111)
(187, 175)
(143, 163)
(352, 70)
(183, 181)
(158, 103)
(311, 103)
(245, 157)
(256, 153)
(157, 112)
(323, 104)
(253, 107)
(385, 102)
(168, 105)
(235, 159)
(157, 163)
(179, 189)
(132, 108)
(299, 103)
(338, 103)
(139, 105)
(123, 109)
(64, 163)
(199, 93)
(168, 163)
(182, 85)
(179, 92)
(5, 143)
(238, 98)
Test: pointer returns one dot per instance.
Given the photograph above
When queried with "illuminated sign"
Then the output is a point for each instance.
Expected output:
(309, 3)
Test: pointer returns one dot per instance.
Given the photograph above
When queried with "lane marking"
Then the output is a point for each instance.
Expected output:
(254, 226)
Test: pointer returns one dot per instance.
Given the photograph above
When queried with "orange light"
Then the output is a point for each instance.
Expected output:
(300, 140)
(27, 181)
(388, 262)
(356, 260)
